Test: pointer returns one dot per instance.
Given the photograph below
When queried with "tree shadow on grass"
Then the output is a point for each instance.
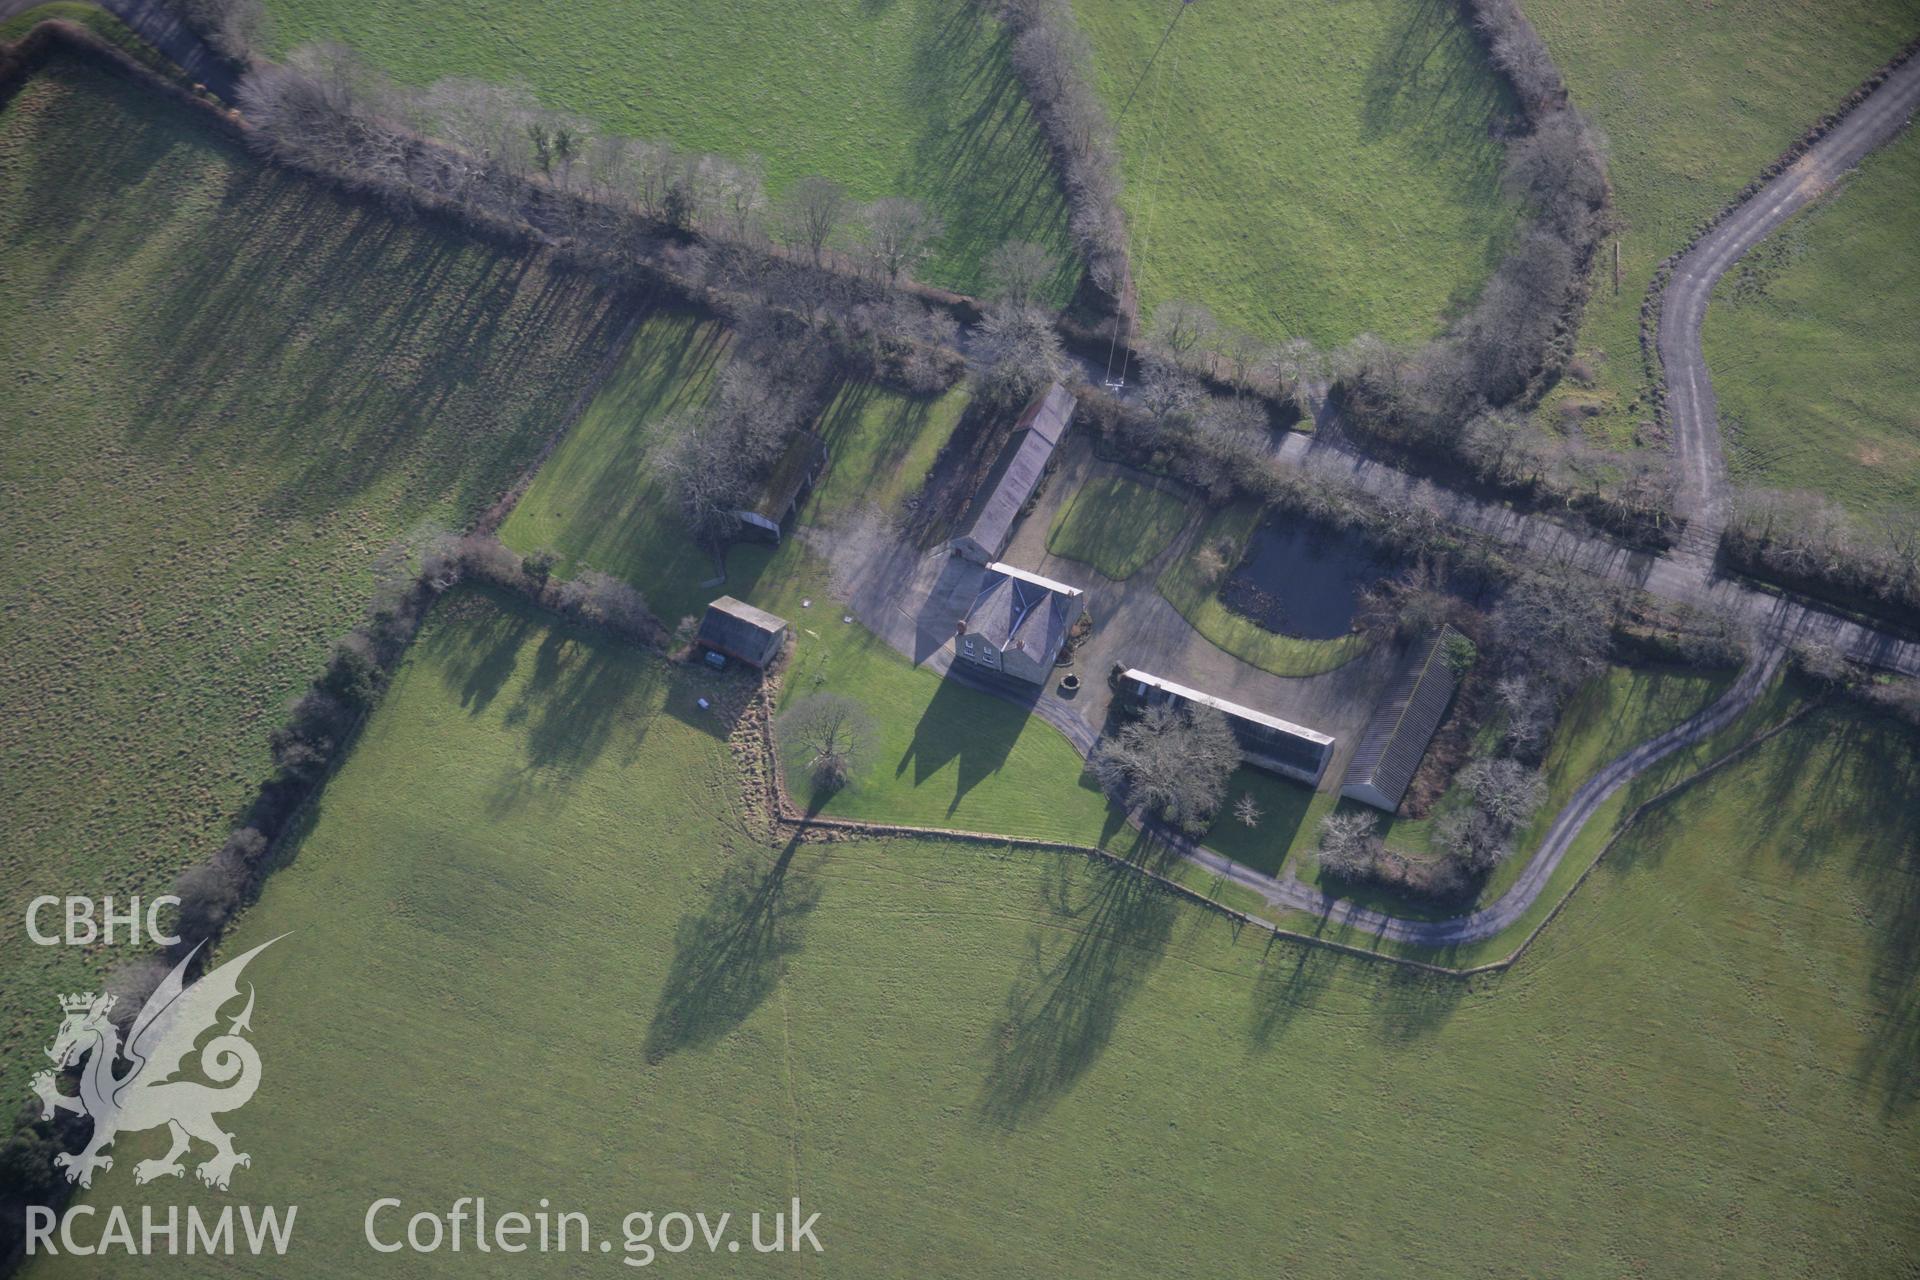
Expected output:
(1875, 800)
(1412, 1004)
(844, 423)
(477, 657)
(1293, 977)
(728, 958)
(326, 340)
(1845, 780)
(1839, 783)
(1062, 1011)
(1431, 83)
(980, 150)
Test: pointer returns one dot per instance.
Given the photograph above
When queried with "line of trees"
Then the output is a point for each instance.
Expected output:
(323, 719)
(1223, 444)
(635, 210)
(1460, 400)
(319, 727)
(1050, 55)
(1812, 544)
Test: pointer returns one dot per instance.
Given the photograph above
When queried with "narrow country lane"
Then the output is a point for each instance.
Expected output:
(1683, 310)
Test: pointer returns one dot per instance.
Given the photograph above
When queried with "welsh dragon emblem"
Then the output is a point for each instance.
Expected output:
(149, 1095)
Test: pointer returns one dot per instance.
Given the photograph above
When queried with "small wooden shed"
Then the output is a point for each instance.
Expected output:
(737, 630)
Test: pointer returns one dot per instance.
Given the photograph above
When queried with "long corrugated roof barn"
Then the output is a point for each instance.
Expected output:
(1016, 475)
(1402, 726)
(1266, 741)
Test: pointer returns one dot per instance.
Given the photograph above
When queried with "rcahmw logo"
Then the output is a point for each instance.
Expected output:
(163, 1033)
(150, 1094)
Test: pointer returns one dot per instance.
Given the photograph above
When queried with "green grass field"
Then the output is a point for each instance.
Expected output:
(1116, 525)
(1810, 340)
(538, 950)
(598, 502)
(1649, 73)
(1306, 170)
(227, 392)
(905, 97)
(1198, 600)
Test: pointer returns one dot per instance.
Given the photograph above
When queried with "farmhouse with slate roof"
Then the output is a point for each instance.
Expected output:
(1401, 728)
(1016, 475)
(1266, 742)
(737, 630)
(1018, 623)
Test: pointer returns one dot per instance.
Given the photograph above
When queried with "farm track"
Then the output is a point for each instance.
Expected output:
(1686, 573)
(1683, 306)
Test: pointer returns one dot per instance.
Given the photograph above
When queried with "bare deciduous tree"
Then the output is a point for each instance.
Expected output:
(899, 233)
(811, 212)
(1017, 270)
(828, 735)
(1299, 367)
(1248, 811)
(1504, 796)
(1172, 762)
(1347, 842)
(1180, 327)
(1020, 353)
(1554, 626)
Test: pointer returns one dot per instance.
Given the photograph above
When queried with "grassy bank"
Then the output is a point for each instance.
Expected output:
(228, 392)
(94, 19)
(1706, 1064)
(1306, 170)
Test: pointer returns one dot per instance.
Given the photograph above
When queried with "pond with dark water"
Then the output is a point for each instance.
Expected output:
(1304, 579)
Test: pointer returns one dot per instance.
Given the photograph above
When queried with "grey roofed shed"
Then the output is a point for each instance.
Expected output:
(1016, 475)
(1402, 726)
(738, 630)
